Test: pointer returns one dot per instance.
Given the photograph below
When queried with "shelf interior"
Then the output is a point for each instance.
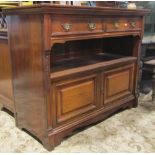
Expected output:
(80, 53)
(82, 61)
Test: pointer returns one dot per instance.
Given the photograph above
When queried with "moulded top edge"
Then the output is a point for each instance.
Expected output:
(63, 9)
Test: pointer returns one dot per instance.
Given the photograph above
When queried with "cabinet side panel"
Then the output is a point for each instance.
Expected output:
(26, 46)
(6, 93)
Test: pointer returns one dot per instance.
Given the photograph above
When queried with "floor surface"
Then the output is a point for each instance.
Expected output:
(132, 130)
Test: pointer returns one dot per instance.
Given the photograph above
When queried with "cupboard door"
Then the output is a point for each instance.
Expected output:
(118, 83)
(76, 97)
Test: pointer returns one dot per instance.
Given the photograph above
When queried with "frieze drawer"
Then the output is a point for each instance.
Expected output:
(122, 24)
(75, 25)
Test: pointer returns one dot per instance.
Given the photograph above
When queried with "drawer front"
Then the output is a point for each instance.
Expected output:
(122, 24)
(118, 83)
(69, 25)
(75, 25)
(75, 98)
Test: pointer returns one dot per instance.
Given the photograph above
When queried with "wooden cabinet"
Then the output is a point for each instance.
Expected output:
(72, 66)
(80, 96)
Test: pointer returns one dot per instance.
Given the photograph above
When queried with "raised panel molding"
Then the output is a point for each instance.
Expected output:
(118, 83)
(76, 97)
(114, 87)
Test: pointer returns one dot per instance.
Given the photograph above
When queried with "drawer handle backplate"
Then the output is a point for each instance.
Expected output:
(92, 26)
(116, 25)
(67, 26)
(133, 24)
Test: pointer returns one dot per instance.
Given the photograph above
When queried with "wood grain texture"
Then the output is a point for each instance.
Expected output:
(76, 97)
(79, 25)
(78, 10)
(123, 24)
(28, 79)
(118, 83)
(6, 90)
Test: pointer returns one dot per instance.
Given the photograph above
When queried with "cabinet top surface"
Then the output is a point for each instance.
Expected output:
(63, 9)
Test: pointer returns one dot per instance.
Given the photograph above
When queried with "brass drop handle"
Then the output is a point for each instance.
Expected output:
(133, 24)
(116, 25)
(92, 26)
(67, 26)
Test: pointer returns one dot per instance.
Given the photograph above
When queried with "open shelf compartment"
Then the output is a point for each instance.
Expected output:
(74, 54)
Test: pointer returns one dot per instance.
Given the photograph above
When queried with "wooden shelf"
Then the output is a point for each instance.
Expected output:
(82, 61)
(94, 66)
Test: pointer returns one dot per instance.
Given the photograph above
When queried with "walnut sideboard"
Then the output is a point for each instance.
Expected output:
(72, 66)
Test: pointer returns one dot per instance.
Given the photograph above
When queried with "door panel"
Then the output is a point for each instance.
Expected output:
(76, 97)
(118, 83)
